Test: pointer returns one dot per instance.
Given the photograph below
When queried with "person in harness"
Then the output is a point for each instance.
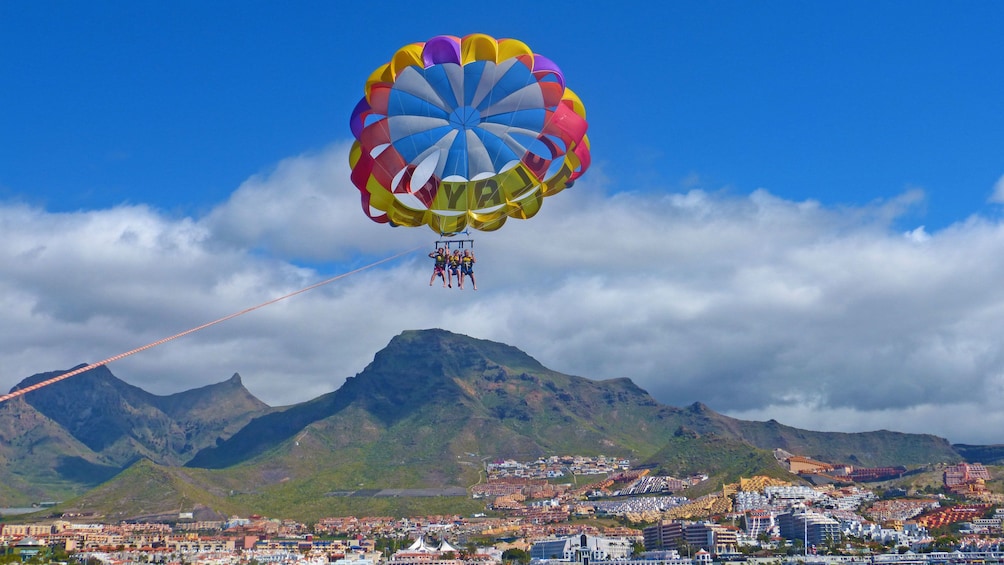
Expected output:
(454, 266)
(467, 268)
(439, 267)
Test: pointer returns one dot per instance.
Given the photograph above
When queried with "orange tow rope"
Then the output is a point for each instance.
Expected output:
(75, 372)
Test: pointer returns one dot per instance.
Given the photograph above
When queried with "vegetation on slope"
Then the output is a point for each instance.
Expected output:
(427, 412)
(724, 460)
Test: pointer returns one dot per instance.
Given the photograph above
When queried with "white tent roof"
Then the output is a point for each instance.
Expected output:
(444, 547)
(422, 547)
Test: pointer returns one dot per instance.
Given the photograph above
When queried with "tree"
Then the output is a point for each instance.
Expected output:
(387, 545)
(831, 544)
(782, 546)
(797, 547)
(945, 543)
(516, 555)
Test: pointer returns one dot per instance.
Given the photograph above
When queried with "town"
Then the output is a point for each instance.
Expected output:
(621, 516)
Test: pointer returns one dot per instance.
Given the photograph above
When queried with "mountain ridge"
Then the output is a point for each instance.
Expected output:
(80, 432)
(413, 417)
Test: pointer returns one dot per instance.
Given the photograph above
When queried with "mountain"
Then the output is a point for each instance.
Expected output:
(426, 413)
(62, 439)
(987, 454)
(176, 491)
(722, 458)
(433, 391)
(861, 449)
(40, 460)
(433, 405)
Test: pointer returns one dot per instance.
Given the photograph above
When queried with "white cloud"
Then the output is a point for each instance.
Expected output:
(917, 235)
(758, 306)
(304, 209)
(998, 194)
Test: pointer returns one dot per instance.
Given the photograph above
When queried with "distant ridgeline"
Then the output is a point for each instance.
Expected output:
(428, 412)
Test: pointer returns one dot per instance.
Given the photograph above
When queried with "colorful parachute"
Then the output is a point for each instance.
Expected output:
(465, 132)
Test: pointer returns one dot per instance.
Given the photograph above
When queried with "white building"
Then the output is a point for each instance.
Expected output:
(581, 549)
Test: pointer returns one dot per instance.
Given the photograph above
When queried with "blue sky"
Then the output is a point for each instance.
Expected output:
(176, 103)
(804, 196)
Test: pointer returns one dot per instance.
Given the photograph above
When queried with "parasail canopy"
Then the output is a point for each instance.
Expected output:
(465, 132)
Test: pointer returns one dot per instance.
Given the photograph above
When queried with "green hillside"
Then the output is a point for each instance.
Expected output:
(62, 440)
(430, 409)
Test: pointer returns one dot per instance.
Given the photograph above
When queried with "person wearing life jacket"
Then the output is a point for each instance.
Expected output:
(439, 267)
(467, 268)
(454, 265)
